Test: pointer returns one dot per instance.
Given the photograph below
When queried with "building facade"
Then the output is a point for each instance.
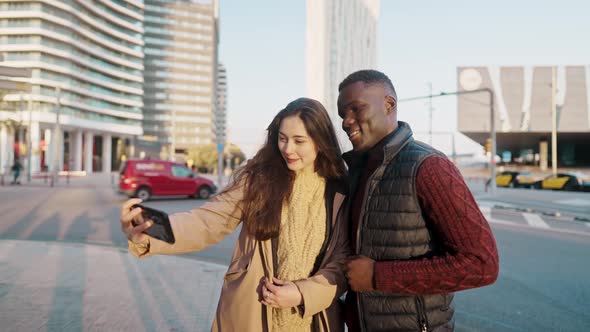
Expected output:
(180, 64)
(341, 37)
(86, 62)
(523, 104)
(220, 115)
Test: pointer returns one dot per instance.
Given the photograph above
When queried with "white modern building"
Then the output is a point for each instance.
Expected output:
(86, 64)
(180, 64)
(341, 37)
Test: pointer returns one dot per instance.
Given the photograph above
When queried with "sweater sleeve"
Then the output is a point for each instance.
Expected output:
(470, 257)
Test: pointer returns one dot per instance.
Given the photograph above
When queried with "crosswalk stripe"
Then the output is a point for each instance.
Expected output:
(534, 220)
(502, 222)
(486, 211)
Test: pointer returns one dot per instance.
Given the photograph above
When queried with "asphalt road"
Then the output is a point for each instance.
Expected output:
(543, 284)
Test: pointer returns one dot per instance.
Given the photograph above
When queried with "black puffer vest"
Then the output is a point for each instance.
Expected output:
(391, 227)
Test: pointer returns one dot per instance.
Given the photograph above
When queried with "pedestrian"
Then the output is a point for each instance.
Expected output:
(286, 271)
(16, 167)
(416, 230)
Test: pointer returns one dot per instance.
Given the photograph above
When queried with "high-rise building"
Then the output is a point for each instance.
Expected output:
(220, 115)
(86, 65)
(180, 59)
(341, 37)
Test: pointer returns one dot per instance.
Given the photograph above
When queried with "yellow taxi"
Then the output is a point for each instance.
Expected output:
(515, 179)
(565, 181)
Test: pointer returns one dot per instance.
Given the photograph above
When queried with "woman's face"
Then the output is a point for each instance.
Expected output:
(296, 146)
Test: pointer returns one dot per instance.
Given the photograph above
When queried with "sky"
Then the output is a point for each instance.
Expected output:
(419, 43)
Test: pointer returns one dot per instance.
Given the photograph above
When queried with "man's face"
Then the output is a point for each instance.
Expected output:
(368, 114)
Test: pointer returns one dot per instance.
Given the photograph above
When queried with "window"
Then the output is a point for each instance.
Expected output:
(181, 172)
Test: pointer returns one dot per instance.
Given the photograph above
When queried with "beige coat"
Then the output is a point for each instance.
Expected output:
(239, 308)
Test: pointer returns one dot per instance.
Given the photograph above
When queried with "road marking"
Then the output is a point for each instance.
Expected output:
(534, 220)
(574, 202)
(503, 222)
(486, 211)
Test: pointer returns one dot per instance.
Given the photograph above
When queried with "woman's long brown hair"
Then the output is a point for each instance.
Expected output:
(268, 181)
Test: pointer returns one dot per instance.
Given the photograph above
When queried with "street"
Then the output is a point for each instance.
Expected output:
(543, 283)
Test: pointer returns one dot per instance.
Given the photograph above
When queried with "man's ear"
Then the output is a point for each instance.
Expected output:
(390, 104)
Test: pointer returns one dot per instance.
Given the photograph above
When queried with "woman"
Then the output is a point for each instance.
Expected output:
(285, 273)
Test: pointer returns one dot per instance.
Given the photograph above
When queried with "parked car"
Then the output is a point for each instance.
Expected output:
(565, 181)
(147, 178)
(515, 179)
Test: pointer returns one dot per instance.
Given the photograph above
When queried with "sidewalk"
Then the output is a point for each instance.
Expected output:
(56, 286)
(90, 180)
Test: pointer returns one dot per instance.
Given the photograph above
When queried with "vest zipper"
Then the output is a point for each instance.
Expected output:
(421, 309)
(358, 243)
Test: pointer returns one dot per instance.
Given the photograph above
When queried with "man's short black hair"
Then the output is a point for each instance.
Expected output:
(368, 76)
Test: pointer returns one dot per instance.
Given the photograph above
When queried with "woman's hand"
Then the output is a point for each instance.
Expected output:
(132, 223)
(281, 294)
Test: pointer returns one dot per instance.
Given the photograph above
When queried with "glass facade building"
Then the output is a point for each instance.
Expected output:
(86, 60)
(341, 37)
(220, 115)
(180, 63)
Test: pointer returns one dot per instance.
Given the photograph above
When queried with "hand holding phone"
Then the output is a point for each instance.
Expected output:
(161, 228)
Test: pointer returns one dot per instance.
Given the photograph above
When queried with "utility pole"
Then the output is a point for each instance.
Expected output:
(492, 125)
(219, 138)
(430, 109)
(172, 154)
(57, 136)
(453, 148)
(553, 123)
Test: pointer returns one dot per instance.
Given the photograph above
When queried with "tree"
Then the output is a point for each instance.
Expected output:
(235, 154)
(203, 156)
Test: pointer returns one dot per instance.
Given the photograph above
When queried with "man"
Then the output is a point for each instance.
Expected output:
(16, 167)
(416, 230)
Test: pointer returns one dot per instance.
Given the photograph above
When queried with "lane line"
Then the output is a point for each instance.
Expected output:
(534, 220)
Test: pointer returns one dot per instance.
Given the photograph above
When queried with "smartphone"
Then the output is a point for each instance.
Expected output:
(161, 228)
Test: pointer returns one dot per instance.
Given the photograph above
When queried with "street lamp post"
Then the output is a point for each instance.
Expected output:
(57, 136)
(30, 138)
(492, 125)
(553, 124)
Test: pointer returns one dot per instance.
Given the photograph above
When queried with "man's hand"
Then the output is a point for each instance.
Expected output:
(359, 272)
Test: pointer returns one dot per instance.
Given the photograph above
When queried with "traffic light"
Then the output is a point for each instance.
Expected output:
(488, 145)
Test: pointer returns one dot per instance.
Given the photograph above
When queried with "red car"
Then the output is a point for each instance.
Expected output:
(146, 178)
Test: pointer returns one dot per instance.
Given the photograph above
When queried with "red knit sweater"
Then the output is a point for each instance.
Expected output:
(449, 209)
(456, 221)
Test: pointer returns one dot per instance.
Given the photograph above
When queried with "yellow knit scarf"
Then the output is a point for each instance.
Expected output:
(303, 229)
